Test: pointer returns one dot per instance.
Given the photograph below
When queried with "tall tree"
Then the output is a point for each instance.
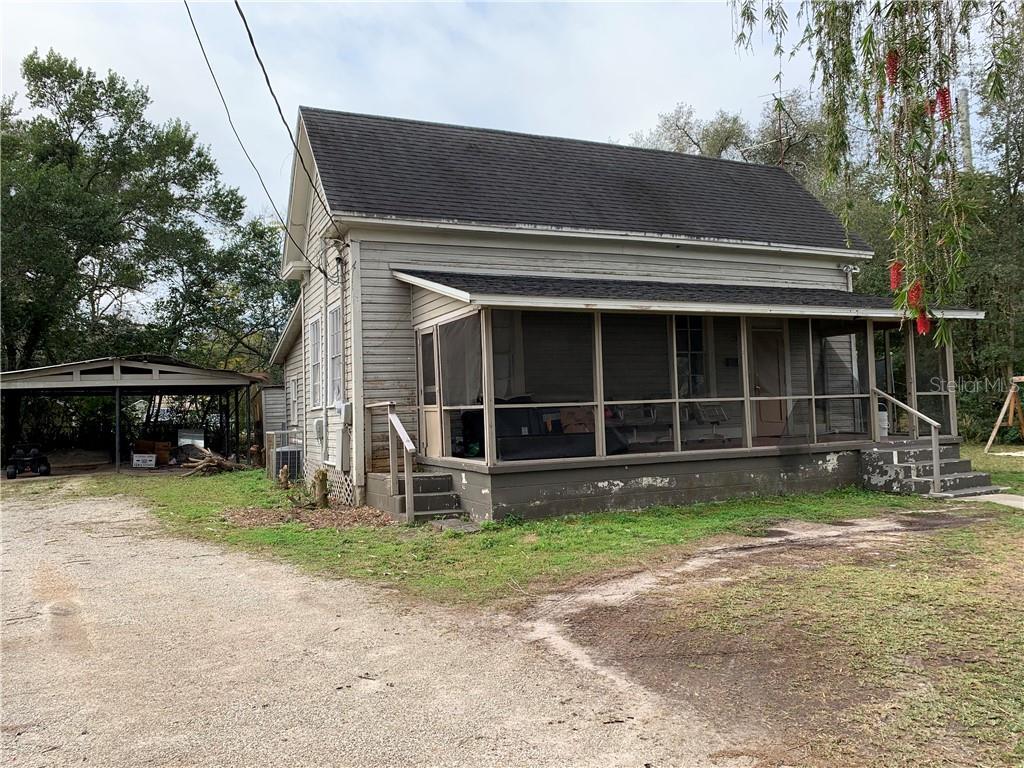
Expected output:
(97, 198)
(725, 135)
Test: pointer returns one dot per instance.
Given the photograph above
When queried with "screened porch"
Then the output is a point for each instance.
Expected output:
(505, 384)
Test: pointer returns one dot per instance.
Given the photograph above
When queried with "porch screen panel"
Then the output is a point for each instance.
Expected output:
(933, 383)
(543, 357)
(709, 370)
(840, 379)
(461, 368)
(543, 384)
(640, 414)
(780, 380)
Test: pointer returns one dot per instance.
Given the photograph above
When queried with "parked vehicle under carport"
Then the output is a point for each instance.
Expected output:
(27, 458)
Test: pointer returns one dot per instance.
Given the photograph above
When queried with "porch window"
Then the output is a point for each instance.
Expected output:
(544, 404)
(708, 371)
(932, 381)
(462, 387)
(639, 410)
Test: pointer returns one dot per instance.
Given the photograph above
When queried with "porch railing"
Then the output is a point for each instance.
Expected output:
(397, 434)
(936, 478)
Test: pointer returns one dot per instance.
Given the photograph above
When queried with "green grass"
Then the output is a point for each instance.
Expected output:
(503, 560)
(1007, 471)
(939, 627)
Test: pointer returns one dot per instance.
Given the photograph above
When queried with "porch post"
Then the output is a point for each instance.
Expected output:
(248, 422)
(748, 414)
(117, 429)
(810, 382)
(677, 424)
(486, 345)
(911, 363)
(951, 389)
(872, 383)
(600, 445)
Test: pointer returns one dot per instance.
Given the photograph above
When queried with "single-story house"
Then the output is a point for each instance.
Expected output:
(547, 325)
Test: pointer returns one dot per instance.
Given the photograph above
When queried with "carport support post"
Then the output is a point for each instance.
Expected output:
(248, 422)
(117, 429)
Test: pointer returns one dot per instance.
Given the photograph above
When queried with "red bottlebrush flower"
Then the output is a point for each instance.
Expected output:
(896, 275)
(892, 66)
(915, 294)
(944, 102)
(924, 324)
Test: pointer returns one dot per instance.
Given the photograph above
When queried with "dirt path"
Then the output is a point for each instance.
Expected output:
(123, 646)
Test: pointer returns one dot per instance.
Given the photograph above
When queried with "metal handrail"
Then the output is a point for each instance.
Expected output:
(933, 424)
(397, 430)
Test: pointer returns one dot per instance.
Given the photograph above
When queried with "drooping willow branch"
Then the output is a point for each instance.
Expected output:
(890, 66)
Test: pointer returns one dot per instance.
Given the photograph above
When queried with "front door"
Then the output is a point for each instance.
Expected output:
(769, 346)
(430, 410)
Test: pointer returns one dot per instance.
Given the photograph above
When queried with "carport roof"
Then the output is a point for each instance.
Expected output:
(133, 373)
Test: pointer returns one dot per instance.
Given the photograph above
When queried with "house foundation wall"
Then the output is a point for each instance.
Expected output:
(537, 493)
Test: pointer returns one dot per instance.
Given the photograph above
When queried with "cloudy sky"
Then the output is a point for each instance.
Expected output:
(594, 71)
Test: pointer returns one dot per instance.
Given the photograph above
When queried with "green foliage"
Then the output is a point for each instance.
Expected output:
(104, 208)
(888, 68)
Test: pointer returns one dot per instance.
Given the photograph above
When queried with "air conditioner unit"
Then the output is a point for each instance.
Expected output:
(290, 456)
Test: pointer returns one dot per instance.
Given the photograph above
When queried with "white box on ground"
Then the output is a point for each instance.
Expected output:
(143, 460)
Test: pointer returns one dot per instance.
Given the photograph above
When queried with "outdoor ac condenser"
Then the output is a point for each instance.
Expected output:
(290, 456)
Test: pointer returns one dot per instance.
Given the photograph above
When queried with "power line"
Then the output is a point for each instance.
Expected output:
(231, 122)
(280, 112)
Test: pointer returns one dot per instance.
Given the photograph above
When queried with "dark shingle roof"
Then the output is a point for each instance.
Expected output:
(387, 167)
(647, 290)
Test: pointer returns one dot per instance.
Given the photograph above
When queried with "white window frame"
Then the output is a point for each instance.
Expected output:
(335, 352)
(316, 366)
(293, 402)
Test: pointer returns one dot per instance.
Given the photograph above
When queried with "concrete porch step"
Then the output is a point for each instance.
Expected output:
(422, 482)
(958, 481)
(980, 490)
(924, 468)
(914, 454)
(429, 506)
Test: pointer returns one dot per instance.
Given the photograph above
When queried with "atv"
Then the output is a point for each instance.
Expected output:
(27, 458)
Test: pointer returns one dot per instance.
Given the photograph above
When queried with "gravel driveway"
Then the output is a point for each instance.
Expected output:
(125, 646)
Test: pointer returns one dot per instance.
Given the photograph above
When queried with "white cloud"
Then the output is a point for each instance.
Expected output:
(597, 71)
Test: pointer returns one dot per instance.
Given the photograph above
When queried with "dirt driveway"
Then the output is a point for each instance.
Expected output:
(124, 646)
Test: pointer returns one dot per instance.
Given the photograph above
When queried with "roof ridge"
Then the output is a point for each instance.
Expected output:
(525, 134)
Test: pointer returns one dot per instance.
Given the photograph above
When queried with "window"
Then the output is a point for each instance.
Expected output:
(293, 402)
(335, 383)
(315, 372)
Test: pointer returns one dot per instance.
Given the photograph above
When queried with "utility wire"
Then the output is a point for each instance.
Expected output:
(231, 122)
(280, 112)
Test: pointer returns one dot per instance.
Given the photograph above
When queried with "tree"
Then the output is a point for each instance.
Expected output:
(226, 306)
(893, 64)
(97, 201)
(725, 135)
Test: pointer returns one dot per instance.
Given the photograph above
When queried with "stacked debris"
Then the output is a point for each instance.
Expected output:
(210, 463)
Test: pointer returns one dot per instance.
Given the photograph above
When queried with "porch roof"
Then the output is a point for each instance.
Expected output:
(543, 292)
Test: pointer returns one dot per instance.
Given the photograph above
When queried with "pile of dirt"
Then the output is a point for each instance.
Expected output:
(328, 517)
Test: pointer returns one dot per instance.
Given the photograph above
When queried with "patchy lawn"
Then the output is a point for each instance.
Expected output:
(1005, 470)
(503, 561)
(886, 649)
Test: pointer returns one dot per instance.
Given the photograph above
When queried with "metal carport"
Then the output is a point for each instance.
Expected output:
(133, 375)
